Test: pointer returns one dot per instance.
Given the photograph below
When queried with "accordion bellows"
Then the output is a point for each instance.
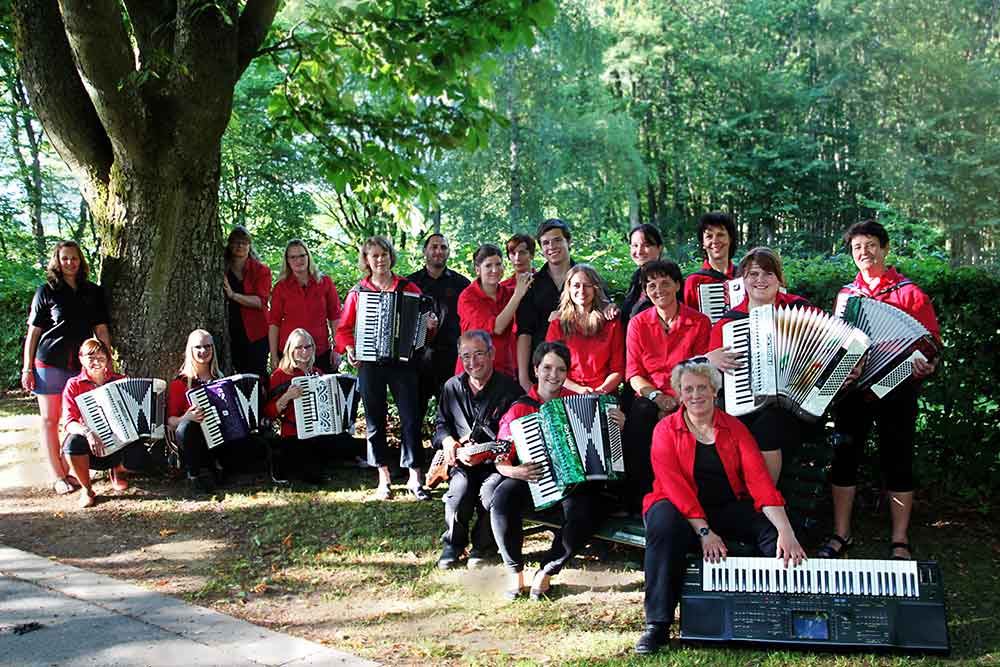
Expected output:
(124, 411)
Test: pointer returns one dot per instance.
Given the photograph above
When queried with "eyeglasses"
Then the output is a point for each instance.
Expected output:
(474, 356)
(301, 256)
(202, 347)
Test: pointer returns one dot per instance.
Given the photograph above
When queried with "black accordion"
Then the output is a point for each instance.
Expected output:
(231, 407)
(390, 326)
(124, 411)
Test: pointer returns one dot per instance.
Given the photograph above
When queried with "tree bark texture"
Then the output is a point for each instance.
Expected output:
(141, 128)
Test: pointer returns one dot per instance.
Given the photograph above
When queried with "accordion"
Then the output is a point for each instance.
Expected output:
(231, 407)
(390, 326)
(124, 411)
(714, 299)
(574, 441)
(327, 406)
(798, 357)
(897, 339)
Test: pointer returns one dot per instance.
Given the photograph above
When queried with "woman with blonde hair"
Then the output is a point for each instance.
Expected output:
(596, 344)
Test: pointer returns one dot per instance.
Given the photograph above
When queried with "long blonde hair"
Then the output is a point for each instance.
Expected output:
(189, 369)
(286, 270)
(287, 364)
(592, 321)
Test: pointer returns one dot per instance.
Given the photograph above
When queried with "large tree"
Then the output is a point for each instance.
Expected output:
(135, 96)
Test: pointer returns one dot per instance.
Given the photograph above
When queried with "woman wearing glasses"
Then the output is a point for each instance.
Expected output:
(596, 343)
(247, 285)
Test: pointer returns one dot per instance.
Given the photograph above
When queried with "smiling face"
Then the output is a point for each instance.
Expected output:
(202, 348)
(379, 261)
(297, 258)
(697, 394)
(716, 242)
(551, 373)
(490, 270)
(96, 365)
(869, 255)
(555, 247)
(302, 350)
(69, 262)
(641, 250)
(762, 285)
(520, 257)
(581, 291)
(239, 248)
(437, 252)
(477, 358)
(662, 292)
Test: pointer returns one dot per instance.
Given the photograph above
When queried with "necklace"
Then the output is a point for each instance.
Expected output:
(706, 436)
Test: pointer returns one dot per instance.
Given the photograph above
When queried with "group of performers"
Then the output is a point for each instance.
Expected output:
(497, 349)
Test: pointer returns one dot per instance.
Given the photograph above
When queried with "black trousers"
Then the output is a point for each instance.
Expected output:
(195, 453)
(251, 357)
(669, 538)
(374, 381)
(436, 366)
(132, 457)
(774, 428)
(582, 514)
(637, 440)
(895, 416)
(470, 492)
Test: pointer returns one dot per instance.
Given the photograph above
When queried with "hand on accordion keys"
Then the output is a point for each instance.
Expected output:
(617, 416)
(922, 368)
(194, 414)
(725, 359)
(432, 322)
(528, 472)
(96, 446)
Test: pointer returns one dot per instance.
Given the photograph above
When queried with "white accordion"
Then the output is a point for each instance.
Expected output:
(327, 406)
(231, 407)
(390, 326)
(714, 299)
(124, 411)
(897, 339)
(798, 357)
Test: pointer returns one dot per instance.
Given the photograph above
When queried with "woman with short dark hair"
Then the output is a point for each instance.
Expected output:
(247, 286)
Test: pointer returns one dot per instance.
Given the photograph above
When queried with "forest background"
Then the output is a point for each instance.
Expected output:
(798, 117)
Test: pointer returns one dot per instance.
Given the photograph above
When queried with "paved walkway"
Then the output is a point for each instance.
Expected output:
(54, 614)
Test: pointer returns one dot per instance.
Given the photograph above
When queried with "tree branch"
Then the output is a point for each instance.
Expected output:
(153, 25)
(57, 95)
(255, 22)
(103, 54)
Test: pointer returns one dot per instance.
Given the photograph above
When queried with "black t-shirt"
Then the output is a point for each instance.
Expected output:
(237, 330)
(710, 477)
(445, 291)
(458, 408)
(635, 301)
(67, 317)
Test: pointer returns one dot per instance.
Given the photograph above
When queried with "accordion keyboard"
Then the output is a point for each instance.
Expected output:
(544, 491)
(737, 386)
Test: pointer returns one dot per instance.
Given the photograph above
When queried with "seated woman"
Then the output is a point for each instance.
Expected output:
(710, 483)
(512, 498)
(488, 305)
(199, 368)
(596, 343)
(775, 429)
(82, 446)
(658, 339)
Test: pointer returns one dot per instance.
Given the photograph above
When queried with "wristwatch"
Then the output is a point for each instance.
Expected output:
(704, 531)
(653, 394)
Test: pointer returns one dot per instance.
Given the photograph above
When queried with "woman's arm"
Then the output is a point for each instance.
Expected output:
(30, 346)
(104, 334)
(506, 316)
(788, 545)
(610, 384)
(245, 300)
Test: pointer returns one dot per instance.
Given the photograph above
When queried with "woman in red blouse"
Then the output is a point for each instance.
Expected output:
(82, 446)
(488, 305)
(710, 482)
(596, 343)
(512, 497)
(775, 429)
(247, 284)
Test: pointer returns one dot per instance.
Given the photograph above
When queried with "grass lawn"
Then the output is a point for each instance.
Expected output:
(331, 565)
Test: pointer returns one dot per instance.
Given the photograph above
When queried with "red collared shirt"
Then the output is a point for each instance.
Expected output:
(476, 310)
(694, 280)
(908, 298)
(280, 382)
(308, 307)
(256, 282)
(673, 453)
(596, 357)
(345, 331)
(177, 400)
(652, 353)
(79, 384)
(782, 299)
(516, 411)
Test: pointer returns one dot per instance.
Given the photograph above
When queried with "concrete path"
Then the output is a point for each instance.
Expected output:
(54, 614)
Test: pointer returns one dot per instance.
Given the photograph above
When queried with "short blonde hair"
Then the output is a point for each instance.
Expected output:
(375, 242)
(696, 366)
(287, 364)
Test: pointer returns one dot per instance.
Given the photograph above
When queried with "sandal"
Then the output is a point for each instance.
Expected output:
(118, 483)
(843, 546)
(63, 486)
(383, 492)
(900, 545)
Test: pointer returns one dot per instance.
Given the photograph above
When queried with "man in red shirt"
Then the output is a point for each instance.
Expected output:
(717, 236)
(895, 414)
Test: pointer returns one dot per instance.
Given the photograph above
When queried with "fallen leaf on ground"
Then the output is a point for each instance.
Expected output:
(167, 532)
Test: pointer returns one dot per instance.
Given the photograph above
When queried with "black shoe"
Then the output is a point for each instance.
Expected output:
(418, 492)
(655, 637)
(448, 559)
(480, 558)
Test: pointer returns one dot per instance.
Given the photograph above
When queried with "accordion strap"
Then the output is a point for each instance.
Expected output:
(711, 273)
(853, 289)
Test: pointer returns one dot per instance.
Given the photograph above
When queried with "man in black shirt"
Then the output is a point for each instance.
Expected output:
(469, 411)
(437, 362)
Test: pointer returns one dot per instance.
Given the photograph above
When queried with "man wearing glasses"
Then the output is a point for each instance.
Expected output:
(469, 412)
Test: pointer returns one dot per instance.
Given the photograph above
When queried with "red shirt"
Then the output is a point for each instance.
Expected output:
(652, 353)
(908, 298)
(516, 411)
(256, 282)
(177, 400)
(286, 417)
(694, 280)
(309, 307)
(345, 330)
(79, 384)
(673, 453)
(782, 299)
(596, 357)
(476, 310)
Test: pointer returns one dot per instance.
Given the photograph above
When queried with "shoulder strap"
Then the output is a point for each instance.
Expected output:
(527, 400)
(711, 273)
(734, 315)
